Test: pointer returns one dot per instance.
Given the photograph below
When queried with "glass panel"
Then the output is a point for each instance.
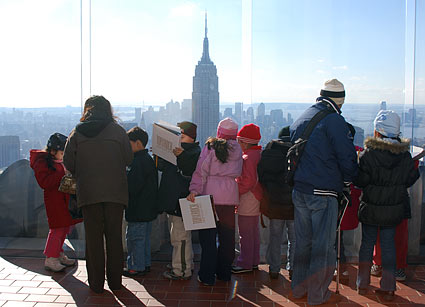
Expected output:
(144, 56)
(297, 45)
(40, 95)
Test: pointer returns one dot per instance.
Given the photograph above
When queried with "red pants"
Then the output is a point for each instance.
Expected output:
(55, 240)
(401, 244)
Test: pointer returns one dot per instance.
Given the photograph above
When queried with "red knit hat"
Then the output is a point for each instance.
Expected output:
(249, 134)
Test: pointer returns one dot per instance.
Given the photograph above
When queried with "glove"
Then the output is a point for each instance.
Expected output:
(345, 197)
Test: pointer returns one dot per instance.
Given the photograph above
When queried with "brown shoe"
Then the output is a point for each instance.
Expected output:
(386, 295)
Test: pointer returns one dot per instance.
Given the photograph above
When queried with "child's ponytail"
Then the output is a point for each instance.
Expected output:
(220, 146)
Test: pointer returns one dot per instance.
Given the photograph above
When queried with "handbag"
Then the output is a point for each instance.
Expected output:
(68, 184)
(74, 211)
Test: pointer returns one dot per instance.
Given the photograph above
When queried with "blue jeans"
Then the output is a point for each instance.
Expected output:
(139, 245)
(388, 255)
(315, 233)
(274, 249)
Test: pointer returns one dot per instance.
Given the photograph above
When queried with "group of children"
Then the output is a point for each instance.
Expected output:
(226, 168)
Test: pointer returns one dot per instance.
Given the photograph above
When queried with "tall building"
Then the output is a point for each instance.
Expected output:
(205, 96)
(261, 113)
(238, 112)
(9, 150)
(137, 115)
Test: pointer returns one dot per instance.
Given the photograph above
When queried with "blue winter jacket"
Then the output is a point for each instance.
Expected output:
(329, 159)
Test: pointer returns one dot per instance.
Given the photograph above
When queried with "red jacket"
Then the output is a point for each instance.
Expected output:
(248, 180)
(56, 202)
(351, 220)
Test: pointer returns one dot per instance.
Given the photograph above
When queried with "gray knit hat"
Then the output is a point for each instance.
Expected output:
(387, 123)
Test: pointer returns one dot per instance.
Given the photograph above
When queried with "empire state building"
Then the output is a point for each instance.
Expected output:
(205, 96)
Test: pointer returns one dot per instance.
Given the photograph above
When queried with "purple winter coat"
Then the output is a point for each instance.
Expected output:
(215, 178)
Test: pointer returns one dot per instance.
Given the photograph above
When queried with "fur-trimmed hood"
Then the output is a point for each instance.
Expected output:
(383, 144)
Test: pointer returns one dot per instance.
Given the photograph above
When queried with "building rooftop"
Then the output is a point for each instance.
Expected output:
(24, 282)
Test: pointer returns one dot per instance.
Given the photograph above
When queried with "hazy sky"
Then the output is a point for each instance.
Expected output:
(145, 50)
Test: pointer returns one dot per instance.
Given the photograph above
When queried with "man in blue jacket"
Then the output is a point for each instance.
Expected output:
(327, 165)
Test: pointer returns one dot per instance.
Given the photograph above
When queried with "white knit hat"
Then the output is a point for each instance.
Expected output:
(333, 89)
(387, 123)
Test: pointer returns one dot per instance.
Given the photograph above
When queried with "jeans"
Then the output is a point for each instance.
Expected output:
(386, 235)
(217, 261)
(139, 245)
(274, 249)
(315, 258)
(401, 240)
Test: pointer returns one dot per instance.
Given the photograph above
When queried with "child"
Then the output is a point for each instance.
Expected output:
(142, 178)
(175, 182)
(277, 202)
(49, 170)
(386, 171)
(219, 164)
(250, 194)
(349, 221)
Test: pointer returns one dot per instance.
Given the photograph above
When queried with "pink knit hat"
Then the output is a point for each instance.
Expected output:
(249, 134)
(227, 129)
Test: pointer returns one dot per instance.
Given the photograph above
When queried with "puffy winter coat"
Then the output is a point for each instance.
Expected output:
(250, 189)
(329, 158)
(272, 170)
(175, 179)
(212, 177)
(56, 202)
(386, 171)
(142, 178)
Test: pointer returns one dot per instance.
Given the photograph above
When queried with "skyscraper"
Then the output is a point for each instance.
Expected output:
(205, 96)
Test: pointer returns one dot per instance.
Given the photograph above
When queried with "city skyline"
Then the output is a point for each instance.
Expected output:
(144, 51)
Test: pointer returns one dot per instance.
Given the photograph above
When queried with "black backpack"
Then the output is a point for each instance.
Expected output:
(296, 150)
(272, 170)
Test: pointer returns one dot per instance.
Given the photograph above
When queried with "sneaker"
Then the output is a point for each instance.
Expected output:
(132, 273)
(274, 275)
(376, 270)
(64, 260)
(169, 266)
(53, 264)
(400, 275)
(172, 276)
(238, 270)
(204, 283)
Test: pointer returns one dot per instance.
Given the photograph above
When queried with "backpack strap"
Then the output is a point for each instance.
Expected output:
(313, 123)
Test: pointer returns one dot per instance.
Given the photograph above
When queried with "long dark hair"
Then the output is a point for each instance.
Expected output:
(97, 107)
(50, 158)
(220, 146)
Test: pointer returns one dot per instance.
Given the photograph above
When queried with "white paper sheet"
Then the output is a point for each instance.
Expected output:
(197, 215)
(164, 140)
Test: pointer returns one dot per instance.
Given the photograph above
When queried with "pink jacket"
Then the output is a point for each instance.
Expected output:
(215, 178)
(250, 190)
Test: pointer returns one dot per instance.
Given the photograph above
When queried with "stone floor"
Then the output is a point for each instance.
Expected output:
(24, 282)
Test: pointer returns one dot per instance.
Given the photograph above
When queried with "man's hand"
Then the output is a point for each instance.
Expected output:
(191, 197)
(177, 151)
